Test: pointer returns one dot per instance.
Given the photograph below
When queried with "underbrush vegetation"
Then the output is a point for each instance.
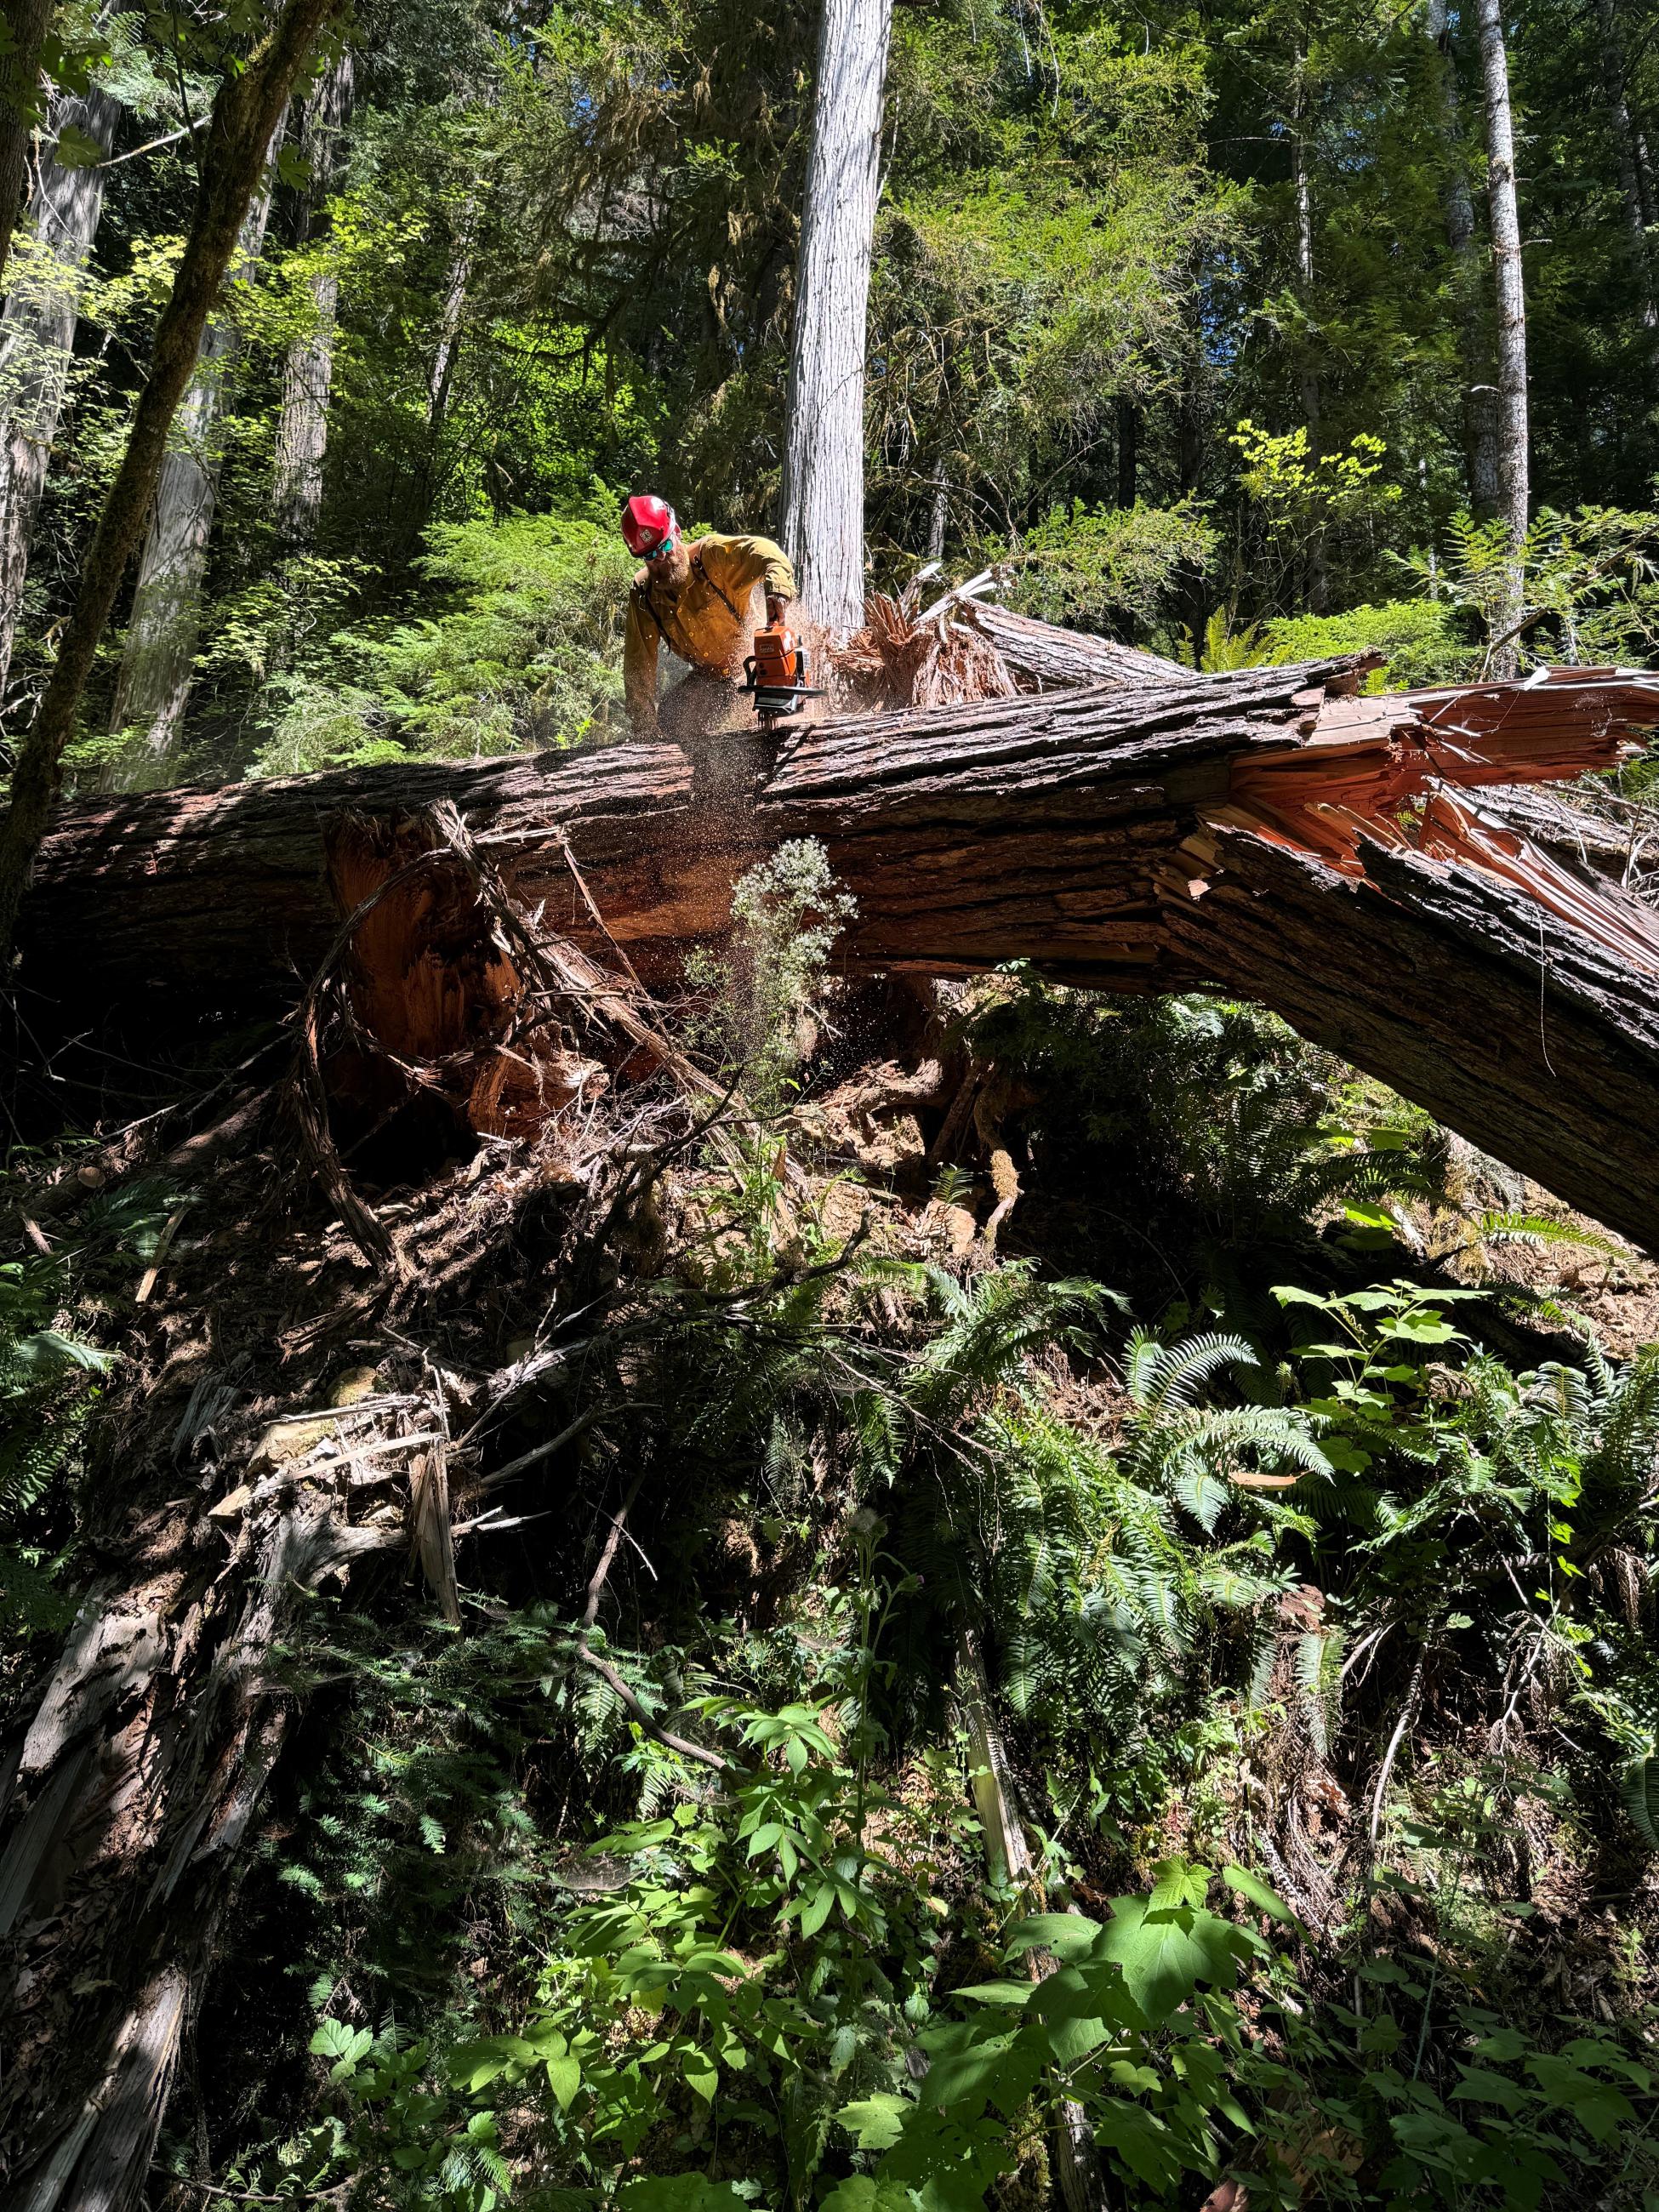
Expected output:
(950, 1729)
(923, 1727)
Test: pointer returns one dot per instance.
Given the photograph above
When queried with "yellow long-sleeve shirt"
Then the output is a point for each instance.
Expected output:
(707, 621)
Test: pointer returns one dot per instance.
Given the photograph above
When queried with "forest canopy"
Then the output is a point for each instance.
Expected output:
(1186, 317)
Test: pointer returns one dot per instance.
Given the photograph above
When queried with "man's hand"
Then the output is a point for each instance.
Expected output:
(776, 608)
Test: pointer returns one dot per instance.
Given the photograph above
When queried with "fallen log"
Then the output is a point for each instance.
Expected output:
(1268, 831)
(1035, 809)
(1044, 658)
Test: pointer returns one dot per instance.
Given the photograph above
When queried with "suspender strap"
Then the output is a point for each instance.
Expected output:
(642, 593)
(697, 563)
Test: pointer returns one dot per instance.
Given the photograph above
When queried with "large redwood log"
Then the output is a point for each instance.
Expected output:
(1265, 831)
(1033, 810)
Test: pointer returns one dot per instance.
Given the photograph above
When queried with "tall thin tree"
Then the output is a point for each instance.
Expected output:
(26, 24)
(249, 105)
(1510, 278)
(309, 370)
(37, 335)
(1457, 203)
(823, 491)
(1307, 372)
(1615, 87)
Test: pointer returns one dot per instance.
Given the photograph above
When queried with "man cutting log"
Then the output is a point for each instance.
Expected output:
(697, 601)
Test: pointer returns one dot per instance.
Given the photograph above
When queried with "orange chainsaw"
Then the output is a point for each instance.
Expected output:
(774, 674)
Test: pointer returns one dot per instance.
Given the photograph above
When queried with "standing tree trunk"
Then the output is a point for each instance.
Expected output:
(441, 374)
(37, 342)
(1630, 182)
(405, 528)
(246, 111)
(1513, 470)
(153, 688)
(308, 372)
(823, 494)
(20, 107)
(1308, 374)
(1480, 414)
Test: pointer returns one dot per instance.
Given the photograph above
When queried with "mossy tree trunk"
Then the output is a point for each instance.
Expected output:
(153, 690)
(249, 105)
(19, 98)
(309, 370)
(37, 339)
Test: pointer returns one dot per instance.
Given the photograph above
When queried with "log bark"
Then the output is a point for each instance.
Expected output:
(1042, 657)
(153, 690)
(36, 340)
(123, 1805)
(1126, 840)
(823, 495)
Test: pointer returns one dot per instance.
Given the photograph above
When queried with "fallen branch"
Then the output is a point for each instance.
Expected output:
(607, 1674)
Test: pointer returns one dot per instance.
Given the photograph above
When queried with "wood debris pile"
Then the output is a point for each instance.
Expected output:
(910, 660)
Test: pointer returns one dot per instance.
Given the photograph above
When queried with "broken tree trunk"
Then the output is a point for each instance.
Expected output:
(1265, 831)
(134, 1767)
(1044, 658)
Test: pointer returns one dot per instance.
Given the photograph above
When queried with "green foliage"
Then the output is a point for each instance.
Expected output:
(1210, 1109)
(1300, 490)
(527, 652)
(1496, 1516)
(1589, 587)
(52, 1368)
(788, 1984)
(1093, 567)
(760, 1003)
(1422, 641)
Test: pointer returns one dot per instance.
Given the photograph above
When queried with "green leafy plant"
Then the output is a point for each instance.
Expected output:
(760, 1002)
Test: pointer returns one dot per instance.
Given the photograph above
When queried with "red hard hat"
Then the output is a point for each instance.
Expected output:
(647, 524)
